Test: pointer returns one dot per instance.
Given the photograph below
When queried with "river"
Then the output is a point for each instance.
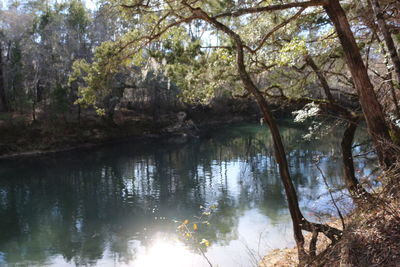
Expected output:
(152, 203)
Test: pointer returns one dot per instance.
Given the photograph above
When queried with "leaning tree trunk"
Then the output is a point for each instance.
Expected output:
(370, 22)
(394, 96)
(294, 209)
(298, 220)
(372, 110)
(324, 83)
(280, 155)
(394, 56)
(352, 184)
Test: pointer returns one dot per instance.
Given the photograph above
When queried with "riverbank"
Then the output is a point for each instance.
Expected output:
(20, 137)
(288, 256)
(371, 236)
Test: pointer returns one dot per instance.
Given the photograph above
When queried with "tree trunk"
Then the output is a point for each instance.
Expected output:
(393, 93)
(372, 110)
(389, 77)
(280, 155)
(394, 56)
(298, 220)
(321, 78)
(79, 113)
(295, 213)
(370, 22)
(33, 111)
(352, 184)
(3, 99)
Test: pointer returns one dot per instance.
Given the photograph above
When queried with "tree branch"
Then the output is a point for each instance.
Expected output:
(253, 10)
(276, 28)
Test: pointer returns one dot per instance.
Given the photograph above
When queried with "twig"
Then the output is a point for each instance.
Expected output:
(330, 193)
(204, 255)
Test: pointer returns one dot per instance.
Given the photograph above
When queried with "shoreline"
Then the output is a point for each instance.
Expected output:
(287, 257)
(182, 134)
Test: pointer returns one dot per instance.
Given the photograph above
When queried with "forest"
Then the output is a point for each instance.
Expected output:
(76, 76)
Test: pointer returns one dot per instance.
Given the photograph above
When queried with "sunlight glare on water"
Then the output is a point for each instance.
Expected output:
(165, 252)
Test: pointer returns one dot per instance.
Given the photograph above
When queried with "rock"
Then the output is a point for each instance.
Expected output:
(183, 127)
(189, 124)
(181, 116)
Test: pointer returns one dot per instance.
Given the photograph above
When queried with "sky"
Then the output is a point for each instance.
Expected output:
(89, 3)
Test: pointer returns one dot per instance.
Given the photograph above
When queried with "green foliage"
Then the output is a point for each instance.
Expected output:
(16, 55)
(198, 58)
(397, 37)
(200, 73)
(59, 99)
(394, 135)
(292, 52)
(77, 16)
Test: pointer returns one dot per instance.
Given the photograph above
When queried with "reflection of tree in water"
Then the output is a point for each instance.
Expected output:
(81, 204)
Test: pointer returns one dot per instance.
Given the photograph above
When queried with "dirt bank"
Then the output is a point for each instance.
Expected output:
(288, 256)
(23, 138)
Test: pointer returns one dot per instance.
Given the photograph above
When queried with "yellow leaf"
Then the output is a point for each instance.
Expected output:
(205, 242)
(195, 226)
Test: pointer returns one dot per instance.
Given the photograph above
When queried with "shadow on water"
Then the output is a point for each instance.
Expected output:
(112, 205)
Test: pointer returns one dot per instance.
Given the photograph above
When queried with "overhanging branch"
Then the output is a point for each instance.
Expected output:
(252, 10)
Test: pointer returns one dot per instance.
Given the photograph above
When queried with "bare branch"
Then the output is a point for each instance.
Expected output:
(154, 36)
(253, 10)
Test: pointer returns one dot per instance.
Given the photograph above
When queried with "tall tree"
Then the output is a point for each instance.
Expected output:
(372, 110)
(387, 36)
(3, 99)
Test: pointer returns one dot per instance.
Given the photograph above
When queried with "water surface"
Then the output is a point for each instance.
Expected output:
(119, 205)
